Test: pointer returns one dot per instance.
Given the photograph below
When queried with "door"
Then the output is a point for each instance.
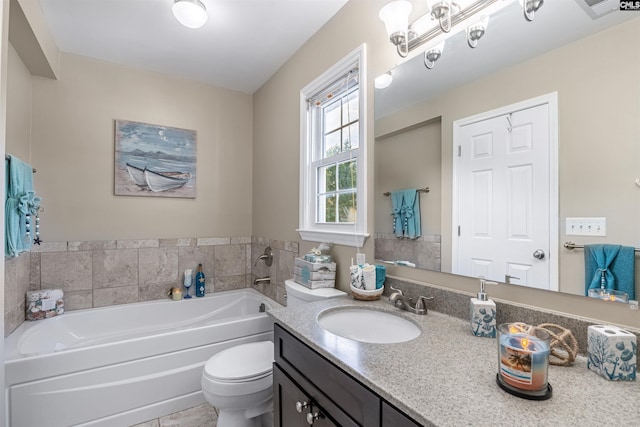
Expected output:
(503, 193)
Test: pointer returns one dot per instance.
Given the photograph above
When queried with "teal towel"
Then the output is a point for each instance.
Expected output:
(610, 267)
(396, 212)
(411, 214)
(21, 201)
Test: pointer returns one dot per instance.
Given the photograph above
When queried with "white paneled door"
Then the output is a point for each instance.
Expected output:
(503, 195)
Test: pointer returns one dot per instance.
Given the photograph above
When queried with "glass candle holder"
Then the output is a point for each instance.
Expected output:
(523, 360)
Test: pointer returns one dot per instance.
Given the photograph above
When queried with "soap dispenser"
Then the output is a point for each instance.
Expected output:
(483, 312)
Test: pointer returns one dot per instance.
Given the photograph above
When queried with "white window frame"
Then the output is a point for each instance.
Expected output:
(352, 234)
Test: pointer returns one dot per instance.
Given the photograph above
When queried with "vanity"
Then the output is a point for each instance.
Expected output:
(444, 377)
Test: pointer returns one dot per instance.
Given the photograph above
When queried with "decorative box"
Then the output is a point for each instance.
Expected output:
(44, 304)
(612, 352)
(314, 274)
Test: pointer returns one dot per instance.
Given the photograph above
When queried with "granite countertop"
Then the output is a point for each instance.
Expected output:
(447, 376)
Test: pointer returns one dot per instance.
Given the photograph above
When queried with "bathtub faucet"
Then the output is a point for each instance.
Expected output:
(265, 280)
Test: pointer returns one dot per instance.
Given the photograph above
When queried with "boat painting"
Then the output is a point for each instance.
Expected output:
(157, 181)
(154, 161)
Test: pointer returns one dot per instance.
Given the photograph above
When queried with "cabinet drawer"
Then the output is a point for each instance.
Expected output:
(341, 390)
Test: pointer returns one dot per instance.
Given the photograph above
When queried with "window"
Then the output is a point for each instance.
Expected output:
(332, 165)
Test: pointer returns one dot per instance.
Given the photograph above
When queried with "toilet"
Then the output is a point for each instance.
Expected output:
(238, 381)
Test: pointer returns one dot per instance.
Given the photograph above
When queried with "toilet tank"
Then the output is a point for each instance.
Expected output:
(298, 294)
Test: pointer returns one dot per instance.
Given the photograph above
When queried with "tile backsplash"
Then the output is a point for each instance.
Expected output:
(109, 272)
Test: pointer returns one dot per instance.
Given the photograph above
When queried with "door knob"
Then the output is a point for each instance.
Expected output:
(539, 254)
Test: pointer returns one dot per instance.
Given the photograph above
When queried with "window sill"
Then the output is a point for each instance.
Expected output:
(335, 237)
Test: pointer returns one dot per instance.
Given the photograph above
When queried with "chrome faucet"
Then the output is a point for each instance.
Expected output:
(397, 299)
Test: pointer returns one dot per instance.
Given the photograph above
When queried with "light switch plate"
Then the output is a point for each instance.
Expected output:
(586, 226)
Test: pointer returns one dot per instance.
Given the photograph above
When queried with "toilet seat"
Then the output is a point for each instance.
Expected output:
(242, 363)
(239, 370)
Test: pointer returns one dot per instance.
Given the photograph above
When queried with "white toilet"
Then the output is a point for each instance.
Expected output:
(238, 381)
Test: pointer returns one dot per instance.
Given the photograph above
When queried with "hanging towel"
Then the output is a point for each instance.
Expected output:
(610, 267)
(411, 214)
(396, 212)
(21, 201)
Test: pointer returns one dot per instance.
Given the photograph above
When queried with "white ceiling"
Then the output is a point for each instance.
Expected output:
(241, 46)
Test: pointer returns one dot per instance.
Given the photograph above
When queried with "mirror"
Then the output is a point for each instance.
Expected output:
(591, 63)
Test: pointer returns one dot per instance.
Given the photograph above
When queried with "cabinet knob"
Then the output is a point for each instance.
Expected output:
(300, 406)
(312, 417)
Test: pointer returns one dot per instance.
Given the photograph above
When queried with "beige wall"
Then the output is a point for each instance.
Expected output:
(409, 159)
(73, 151)
(276, 142)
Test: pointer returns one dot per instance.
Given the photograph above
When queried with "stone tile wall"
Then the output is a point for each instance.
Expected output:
(423, 251)
(109, 272)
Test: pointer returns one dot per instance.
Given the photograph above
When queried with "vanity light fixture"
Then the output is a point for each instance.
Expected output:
(530, 7)
(452, 16)
(476, 31)
(441, 11)
(432, 55)
(190, 13)
(383, 80)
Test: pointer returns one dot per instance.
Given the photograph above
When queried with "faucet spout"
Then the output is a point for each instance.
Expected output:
(262, 280)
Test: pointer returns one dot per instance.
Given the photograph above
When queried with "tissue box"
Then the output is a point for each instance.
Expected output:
(314, 274)
(612, 352)
(44, 304)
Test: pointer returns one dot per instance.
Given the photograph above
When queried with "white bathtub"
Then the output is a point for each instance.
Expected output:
(120, 365)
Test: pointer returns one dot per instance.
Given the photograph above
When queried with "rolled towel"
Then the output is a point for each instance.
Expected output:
(369, 277)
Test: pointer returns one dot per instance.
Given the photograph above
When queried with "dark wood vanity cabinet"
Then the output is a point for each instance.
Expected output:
(310, 390)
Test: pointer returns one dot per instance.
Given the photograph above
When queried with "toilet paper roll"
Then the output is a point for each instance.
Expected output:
(369, 277)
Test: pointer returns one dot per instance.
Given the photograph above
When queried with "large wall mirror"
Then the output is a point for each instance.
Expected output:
(590, 64)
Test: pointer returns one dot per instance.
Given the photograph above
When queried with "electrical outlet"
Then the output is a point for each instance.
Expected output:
(586, 227)
(633, 304)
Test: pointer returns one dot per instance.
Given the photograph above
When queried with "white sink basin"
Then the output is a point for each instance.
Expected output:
(370, 326)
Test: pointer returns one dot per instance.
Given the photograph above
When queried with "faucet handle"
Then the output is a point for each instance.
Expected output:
(396, 290)
(421, 304)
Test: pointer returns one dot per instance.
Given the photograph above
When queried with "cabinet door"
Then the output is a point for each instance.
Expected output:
(292, 406)
(347, 401)
(391, 417)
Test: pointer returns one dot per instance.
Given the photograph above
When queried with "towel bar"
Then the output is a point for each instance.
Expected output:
(571, 246)
(419, 190)
(7, 158)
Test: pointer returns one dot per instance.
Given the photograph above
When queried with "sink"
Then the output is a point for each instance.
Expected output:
(370, 326)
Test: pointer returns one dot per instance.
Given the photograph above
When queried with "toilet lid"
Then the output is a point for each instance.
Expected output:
(242, 362)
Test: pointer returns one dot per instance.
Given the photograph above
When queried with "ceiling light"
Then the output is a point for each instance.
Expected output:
(383, 81)
(190, 13)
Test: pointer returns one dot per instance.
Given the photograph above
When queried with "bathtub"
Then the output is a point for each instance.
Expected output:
(125, 364)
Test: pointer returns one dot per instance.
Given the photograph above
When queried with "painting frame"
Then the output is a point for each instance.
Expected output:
(154, 160)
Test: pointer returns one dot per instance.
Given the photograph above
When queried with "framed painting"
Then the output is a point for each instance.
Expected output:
(154, 161)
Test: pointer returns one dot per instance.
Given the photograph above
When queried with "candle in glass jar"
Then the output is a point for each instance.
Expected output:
(523, 356)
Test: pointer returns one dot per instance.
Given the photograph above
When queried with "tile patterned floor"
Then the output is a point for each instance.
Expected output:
(198, 416)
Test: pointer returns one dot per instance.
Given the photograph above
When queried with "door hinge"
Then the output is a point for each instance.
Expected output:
(458, 231)
(459, 150)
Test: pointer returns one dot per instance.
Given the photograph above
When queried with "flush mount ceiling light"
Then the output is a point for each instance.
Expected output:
(190, 13)
(450, 16)
(383, 80)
